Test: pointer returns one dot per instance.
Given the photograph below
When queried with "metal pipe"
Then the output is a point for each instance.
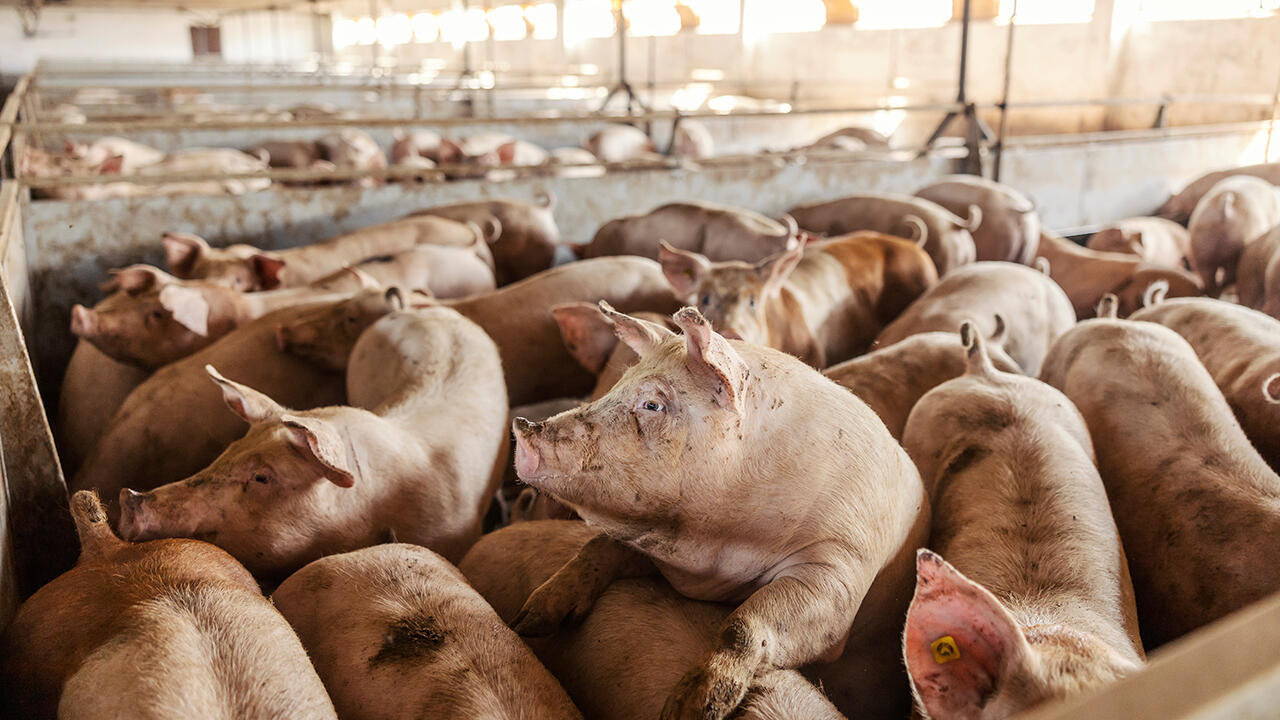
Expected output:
(1004, 95)
(964, 53)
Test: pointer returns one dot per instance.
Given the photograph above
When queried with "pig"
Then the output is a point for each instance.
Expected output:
(289, 153)
(691, 139)
(1036, 603)
(719, 232)
(1194, 502)
(1258, 274)
(891, 379)
(619, 143)
(741, 475)
(518, 318)
(414, 144)
(172, 424)
(219, 161)
(1234, 213)
(133, 155)
(946, 237)
(93, 389)
(1033, 310)
(1241, 350)
(249, 269)
(1010, 227)
(822, 302)
(1086, 275)
(1179, 207)
(515, 502)
(415, 454)
(640, 637)
(490, 149)
(353, 149)
(163, 629)
(1155, 240)
(582, 163)
(866, 138)
(528, 238)
(591, 339)
(395, 631)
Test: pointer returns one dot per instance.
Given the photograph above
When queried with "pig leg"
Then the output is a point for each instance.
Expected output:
(799, 617)
(569, 595)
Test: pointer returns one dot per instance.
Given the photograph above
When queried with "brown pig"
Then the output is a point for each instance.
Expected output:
(823, 302)
(158, 630)
(1195, 504)
(1241, 350)
(640, 638)
(945, 236)
(174, 423)
(1086, 275)
(740, 475)
(890, 380)
(415, 454)
(719, 232)
(1010, 227)
(248, 269)
(518, 318)
(1037, 603)
(1179, 207)
(1258, 274)
(93, 389)
(1234, 213)
(1032, 309)
(395, 631)
(1155, 240)
(528, 238)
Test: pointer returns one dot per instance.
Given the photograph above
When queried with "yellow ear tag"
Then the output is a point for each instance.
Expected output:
(945, 650)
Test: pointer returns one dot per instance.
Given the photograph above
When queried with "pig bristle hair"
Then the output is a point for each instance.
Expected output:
(91, 524)
(1042, 264)
(1109, 307)
(1266, 389)
(1155, 293)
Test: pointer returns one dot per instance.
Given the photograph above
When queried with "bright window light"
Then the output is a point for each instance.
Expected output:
(1051, 12)
(1205, 9)
(366, 31)
(344, 33)
(652, 18)
(543, 18)
(426, 28)
(463, 26)
(586, 19)
(896, 14)
(394, 30)
(765, 17)
(716, 17)
(507, 22)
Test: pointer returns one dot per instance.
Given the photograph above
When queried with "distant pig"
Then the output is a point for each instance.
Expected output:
(414, 144)
(527, 239)
(1194, 502)
(167, 629)
(823, 302)
(1179, 207)
(1038, 605)
(740, 475)
(719, 232)
(1010, 227)
(395, 631)
(619, 143)
(692, 140)
(1086, 275)
(945, 236)
(891, 379)
(665, 633)
(1234, 213)
(93, 389)
(353, 149)
(1258, 274)
(415, 455)
(1154, 240)
(248, 269)
(1241, 350)
(1032, 308)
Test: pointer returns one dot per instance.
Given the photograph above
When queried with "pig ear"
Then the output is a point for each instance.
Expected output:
(712, 357)
(507, 152)
(251, 405)
(137, 278)
(321, 441)
(641, 336)
(188, 307)
(111, 166)
(588, 335)
(960, 642)
(684, 270)
(182, 251)
(267, 269)
(774, 269)
(449, 152)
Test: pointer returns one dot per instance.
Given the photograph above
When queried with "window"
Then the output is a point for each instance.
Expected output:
(463, 26)
(393, 30)
(542, 17)
(1049, 12)
(1206, 9)
(206, 41)
(716, 17)
(648, 18)
(586, 19)
(895, 14)
(508, 22)
(426, 28)
(765, 17)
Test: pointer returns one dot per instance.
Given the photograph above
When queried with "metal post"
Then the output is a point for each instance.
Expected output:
(961, 97)
(621, 22)
(964, 54)
(1004, 95)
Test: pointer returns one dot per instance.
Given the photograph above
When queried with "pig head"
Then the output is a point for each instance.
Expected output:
(325, 335)
(240, 267)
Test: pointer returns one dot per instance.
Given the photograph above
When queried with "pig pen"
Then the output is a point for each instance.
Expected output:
(56, 252)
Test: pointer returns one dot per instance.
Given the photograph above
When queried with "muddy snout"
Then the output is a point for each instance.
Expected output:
(528, 458)
(136, 519)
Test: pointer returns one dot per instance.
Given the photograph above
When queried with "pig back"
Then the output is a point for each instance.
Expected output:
(175, 423)
(1197, 508)
(1010, 226)
(946, 236)
(93, 389)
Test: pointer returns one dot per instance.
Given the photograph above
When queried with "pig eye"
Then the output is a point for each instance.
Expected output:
(157, 314)
(260, 478)
(706, 300)
(751, 302)
(653, 406)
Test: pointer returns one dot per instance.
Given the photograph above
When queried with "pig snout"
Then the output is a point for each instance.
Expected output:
(527, 457)
(137, 522)
(83, 321)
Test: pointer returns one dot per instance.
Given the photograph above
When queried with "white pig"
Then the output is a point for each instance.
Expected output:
(1234, 213)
